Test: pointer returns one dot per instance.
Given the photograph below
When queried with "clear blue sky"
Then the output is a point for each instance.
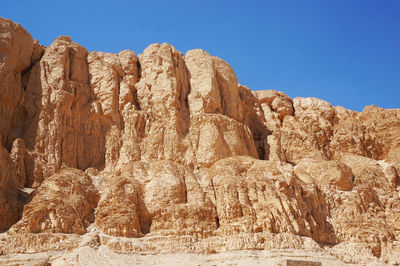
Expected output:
(346, 52)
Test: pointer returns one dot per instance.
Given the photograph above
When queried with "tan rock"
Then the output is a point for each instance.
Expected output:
(254, 118)
(282, 106)
(162, 93)
(64, 203)
(254, 196)
(368, 173)
(307, 134)
(169, 201)
(394, 155)
(352, 136)
(325, 173)
(228, 85)
(16, 49)
(183, 158)
(130, 68)
(105, 69)
(278, 101)
(205, 96)
(73, 104)
(117, 212)
(215, 137)
(18, 157)
(274, 113)
(164, 84)
(360, 215)
(385, 127)
(10, 203)
(28, 243)
(176, 202)
(57, 90)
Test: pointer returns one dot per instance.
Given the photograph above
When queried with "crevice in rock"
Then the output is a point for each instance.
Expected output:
(144, 216)
(260, 134)
(222, 109)
(25, 74)
(25, 195)
(139, 67)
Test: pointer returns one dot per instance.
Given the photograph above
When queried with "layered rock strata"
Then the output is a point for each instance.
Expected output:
(163, 145)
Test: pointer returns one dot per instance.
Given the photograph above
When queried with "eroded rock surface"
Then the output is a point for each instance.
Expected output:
(64, 203)
(9, 199)
(169, 152)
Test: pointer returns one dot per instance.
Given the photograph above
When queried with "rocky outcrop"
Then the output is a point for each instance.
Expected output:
(10, 202)
(161, 198)
(63, 124)
(64, 203)
(17, 53)
(259, 196)
(117, 213)
(170, 152)
(325, 174)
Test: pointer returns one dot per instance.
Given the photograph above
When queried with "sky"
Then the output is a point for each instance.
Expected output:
(346, 52)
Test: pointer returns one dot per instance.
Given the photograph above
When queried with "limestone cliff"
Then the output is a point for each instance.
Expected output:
(164, 152)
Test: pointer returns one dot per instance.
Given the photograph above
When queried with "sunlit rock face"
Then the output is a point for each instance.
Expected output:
(170, 152)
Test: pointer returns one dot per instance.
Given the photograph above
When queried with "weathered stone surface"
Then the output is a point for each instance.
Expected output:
(16, 47)
(214, 137)
(57, 96)
(117, 213)
(73, 106)
(64, 203)
(18, 157)
(325, 173)
(205, 96)
(307, 133)
(275, 105)
(254, 196)
(179, 104)
(182, 158)
(361, 215)
(164, 198)
(176, 203)
(10, 205)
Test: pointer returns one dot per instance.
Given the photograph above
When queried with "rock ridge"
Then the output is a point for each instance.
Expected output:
(162, 148)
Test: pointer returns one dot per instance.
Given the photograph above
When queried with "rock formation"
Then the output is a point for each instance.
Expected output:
(63, 203)
(164, 152)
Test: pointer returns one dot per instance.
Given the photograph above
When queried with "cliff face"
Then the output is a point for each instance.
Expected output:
(162, 144)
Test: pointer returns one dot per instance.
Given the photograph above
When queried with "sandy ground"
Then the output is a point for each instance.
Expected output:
(104, 256)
